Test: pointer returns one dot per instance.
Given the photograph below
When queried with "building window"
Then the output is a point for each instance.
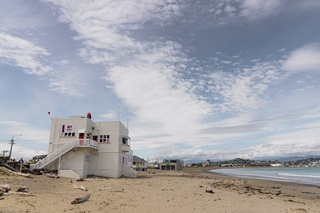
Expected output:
(104, 138)
(68, 134)
(125, 141)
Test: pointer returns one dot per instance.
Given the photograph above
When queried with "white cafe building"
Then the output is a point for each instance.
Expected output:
(79, 147)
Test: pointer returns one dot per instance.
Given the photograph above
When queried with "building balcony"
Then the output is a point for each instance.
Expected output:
(125, 148)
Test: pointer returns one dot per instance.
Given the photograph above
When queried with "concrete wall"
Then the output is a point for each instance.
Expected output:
(78, 161)
(58, 138)
(107, 165)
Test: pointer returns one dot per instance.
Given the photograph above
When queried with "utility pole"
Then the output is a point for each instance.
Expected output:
(4, 152)
(12, 142)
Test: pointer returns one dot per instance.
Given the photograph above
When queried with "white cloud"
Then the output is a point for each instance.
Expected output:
(253, 9)
(109, 115)
(242, 90)
(33, 141)
(168, 108)
(165, 104)
(28, 132)
(168, 102)
(296, 143)
(223, 11)
(65, 87)
(22, 53)
(303, 59)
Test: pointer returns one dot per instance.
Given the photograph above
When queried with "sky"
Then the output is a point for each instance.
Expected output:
(191, 79)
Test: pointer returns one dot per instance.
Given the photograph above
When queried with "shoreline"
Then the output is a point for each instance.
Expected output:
(187, 190)
(257, 177)
(302, 190)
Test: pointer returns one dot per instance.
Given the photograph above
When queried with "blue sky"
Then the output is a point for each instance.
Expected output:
(194, 80)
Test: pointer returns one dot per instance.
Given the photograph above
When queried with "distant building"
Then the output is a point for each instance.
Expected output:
(206, 163)
(79, 147)
(139, 164)
(153, 164)
(174, 164)
(315, 164)
(276, 164)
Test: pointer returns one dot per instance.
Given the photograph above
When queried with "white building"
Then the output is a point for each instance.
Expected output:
(139, 164)
(79, 147)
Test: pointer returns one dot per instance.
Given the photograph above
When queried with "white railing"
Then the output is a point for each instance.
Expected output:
(127, 171)
(63, 150)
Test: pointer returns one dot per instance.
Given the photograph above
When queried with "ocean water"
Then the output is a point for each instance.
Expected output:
(309, 175)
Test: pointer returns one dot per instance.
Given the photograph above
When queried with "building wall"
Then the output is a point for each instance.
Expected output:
(171, 165)
(111, 129)
(78, 161)
(106, 161)
(59, 129)
(107, 165)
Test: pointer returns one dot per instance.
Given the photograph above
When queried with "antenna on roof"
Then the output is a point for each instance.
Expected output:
(118, 113)
(127, 123)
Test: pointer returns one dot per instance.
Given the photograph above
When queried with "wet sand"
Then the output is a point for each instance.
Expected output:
(189, 190)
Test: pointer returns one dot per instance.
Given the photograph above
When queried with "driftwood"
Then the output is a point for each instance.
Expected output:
(81, 199)
(81, 187)
(80, 179)
(104, 188)
(20, 174)
(23, 174)
(209, 191)
(5, 190)
(50, 175)
(5, 187)
(23, 189)
(19, 193)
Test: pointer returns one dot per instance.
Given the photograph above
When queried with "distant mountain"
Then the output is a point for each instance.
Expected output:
(290, 158)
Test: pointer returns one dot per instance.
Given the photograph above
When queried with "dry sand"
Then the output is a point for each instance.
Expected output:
(182, 191)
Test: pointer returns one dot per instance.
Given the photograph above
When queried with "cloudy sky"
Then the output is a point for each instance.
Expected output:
(193, 79)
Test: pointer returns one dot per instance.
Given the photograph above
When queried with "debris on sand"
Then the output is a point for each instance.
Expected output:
(81, 199)
(23, 189)
(209, 191)
(81, 187)
(5, 187)
(50, 175)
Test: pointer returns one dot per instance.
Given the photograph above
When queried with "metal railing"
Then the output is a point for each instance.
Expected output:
(63, 150)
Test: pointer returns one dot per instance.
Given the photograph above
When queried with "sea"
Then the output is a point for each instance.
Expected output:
(309, 175)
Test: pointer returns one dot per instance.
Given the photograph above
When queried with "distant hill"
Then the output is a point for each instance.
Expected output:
(291, 158)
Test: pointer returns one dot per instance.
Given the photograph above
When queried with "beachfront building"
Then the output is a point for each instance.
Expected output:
(153, 164)
(80, 147)
(139, 164)
(276, 165)
(173, 164)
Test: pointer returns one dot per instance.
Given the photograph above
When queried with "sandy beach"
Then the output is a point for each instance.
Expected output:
(190, 190)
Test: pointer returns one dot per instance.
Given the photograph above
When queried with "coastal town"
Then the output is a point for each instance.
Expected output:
(239, 162)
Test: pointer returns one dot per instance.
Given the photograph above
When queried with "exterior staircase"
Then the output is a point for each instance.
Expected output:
(127, 171)
(53, 156)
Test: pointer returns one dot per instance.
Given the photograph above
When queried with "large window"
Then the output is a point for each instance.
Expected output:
(104, 138)
(125, 141)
